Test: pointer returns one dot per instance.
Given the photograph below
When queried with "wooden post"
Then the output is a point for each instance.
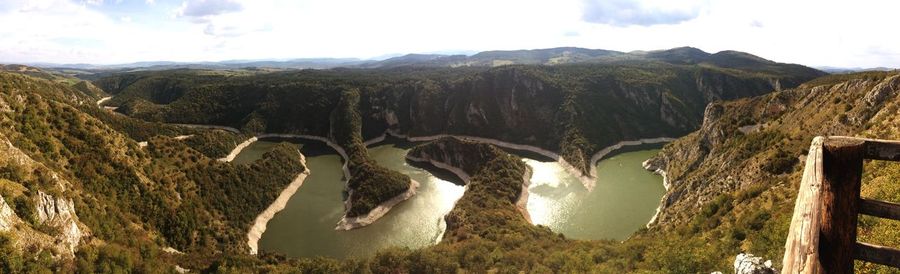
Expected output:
(801, 250)
(842, 165)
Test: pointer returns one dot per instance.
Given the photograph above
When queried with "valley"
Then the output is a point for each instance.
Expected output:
(306, 227)
(557, 199)
(551, 167)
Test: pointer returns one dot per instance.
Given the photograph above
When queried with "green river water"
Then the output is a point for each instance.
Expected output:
(305, 228)
(624, 199)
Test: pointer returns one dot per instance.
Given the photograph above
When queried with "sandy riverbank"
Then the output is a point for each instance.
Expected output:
(340, 151)
(521, 203)
(230, 129)
(259, 225)
(348, 223)
(237, 150)
(603, 152)
(462, 175)
(587, 180)
(103, 100)
(658, 170)
(144, 144)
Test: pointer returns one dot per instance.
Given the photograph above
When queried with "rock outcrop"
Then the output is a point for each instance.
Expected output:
(574, 111)
(54, 212)
(746, 263)
(59, 213)
(741, 143)
(7, 216)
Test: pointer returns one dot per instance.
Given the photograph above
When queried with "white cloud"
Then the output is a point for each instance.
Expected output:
(644, 13)
(801, 31)
(207, 8)
(233, 30)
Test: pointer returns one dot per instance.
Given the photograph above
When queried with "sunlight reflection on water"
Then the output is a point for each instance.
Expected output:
(624, 199)
(305, 228)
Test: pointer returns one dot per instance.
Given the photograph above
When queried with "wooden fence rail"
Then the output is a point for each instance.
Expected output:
(822, 237)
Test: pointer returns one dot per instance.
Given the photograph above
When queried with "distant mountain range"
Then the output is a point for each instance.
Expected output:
(314, 63)
(852, 70)
(550, 56)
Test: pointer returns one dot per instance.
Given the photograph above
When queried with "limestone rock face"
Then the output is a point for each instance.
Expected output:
(54, 212)
(882, 91)
(746, 263)
(4, 106)
(725, 155)
(7, 216)
(59, 213)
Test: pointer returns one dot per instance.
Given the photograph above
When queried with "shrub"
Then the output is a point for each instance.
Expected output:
(13, 173)
(24, 208)
(780, 163)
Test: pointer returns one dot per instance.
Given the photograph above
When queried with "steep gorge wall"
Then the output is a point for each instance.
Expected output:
(576, 119)
(754, 145)
(575, 110)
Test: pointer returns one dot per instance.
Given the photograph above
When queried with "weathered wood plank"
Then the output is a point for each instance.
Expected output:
(881, 209)
(877, 254)
(842, 160)
(883, 150)
(877, 149)
(801, 250)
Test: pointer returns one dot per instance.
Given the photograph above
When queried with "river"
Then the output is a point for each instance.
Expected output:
(623, 201)
(305, 228)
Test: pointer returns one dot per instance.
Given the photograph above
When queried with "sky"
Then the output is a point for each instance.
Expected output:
(858, 33)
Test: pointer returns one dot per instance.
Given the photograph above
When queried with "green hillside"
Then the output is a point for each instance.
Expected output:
(734, 175)
(575, 110)
(130, 202)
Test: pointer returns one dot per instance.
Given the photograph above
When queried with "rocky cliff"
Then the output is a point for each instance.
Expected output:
(49, 222)
(721, 147)
(59, 213)
(738, 173)
(8, 218)
(575, 110)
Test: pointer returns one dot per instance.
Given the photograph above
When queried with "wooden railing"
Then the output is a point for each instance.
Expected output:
(822, 237)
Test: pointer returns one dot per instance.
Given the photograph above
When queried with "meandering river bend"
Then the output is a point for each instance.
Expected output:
(624, 200)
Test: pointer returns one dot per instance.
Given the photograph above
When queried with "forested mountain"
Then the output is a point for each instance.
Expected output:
(549, 56)
(80, 193)
(741, 170)
(575, 110)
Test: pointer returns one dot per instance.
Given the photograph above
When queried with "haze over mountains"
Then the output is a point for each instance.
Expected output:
(548, 56)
